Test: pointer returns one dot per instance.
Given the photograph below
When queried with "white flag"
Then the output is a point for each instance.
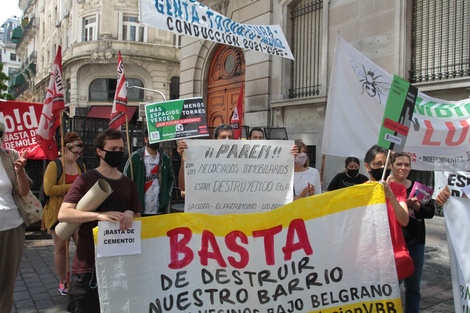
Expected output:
(439, 135)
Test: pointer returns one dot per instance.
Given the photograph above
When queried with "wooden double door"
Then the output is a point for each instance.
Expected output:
(226, 78)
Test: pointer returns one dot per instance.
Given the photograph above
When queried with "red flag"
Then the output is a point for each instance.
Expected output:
(236, 121)
(53, 105)
(21, 120)
(119, 110)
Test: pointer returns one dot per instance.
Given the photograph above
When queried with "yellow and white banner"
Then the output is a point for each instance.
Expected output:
(328, 253)
(457, 215)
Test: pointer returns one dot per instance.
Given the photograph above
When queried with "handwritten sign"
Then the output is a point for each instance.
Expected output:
(113, 241)
(297, 258)
(182, 118)
(231, 176)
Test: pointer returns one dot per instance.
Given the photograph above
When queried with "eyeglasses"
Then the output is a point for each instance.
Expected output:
(76, 153)
(76, 143)
(377, 164)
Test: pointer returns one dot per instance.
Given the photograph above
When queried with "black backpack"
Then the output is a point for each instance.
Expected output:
(42, 196)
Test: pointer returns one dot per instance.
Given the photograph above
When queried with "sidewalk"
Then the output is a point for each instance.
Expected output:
(36, 285)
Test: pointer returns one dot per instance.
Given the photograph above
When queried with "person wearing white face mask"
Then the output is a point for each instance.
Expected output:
(307, 180)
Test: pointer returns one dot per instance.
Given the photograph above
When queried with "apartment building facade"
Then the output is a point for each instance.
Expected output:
(417, 40)
(91, 33)
(8, 56)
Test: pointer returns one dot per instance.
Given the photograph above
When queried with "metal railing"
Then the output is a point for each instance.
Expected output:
(307, 33)
(440, 40)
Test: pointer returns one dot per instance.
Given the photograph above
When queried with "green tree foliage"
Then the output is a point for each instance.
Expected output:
(4, 85)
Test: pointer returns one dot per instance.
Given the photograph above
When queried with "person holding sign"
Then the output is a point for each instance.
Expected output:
(306, 179)
(397, 209)
(152, 172)
(56, 186)
(223, 131)
(415, 231)
(121, 206)
(14, 183)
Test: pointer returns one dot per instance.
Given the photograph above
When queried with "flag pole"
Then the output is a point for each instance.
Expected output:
(129, 147)
(67, 242)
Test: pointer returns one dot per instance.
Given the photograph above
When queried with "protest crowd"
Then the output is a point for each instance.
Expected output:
(262, 230)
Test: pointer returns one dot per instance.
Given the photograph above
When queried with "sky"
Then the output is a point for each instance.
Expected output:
(9, 8)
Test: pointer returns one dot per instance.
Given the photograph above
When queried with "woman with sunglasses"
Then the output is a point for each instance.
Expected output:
(56, 188)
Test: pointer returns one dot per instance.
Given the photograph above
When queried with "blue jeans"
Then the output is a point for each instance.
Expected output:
(413, 283)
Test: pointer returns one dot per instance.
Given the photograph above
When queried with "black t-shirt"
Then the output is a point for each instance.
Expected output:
(342, 180)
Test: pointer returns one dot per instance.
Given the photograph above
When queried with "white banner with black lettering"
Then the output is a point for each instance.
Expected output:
(192, 18)
(238, 176)
(438, 139)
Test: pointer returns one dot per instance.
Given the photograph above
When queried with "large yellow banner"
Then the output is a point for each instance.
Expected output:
(328, 253)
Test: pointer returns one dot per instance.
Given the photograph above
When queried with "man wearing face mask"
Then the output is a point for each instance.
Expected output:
(152, 172)
(121, 206)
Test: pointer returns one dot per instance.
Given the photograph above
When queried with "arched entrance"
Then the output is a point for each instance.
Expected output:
(226, 77)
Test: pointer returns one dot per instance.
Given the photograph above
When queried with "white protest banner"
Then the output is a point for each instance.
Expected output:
(439, 135)
(328, 253)
(113, 241)
(192, 18)
(237, 176)
(21, 125)
(457, 217)
(454, 180)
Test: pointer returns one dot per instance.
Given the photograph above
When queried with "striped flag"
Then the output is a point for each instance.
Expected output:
(53, 105)
(236, 120)
(119, 110)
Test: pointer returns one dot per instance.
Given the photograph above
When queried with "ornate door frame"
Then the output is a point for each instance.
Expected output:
(225, 78)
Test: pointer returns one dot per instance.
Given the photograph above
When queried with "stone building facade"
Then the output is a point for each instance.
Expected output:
(293, 94)
(91, 33)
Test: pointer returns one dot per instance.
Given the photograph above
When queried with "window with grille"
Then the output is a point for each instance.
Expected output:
(440, 40)
(307, 33)
(89, 28)
(132, 30)
(103, 89)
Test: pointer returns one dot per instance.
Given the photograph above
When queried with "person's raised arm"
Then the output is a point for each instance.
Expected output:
(443, 196)
(180, 149)
(399, 208)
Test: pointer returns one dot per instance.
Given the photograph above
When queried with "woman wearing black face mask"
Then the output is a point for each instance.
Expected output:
(397, 209)
(349, 177)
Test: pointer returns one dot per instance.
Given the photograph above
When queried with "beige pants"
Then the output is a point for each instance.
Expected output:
(11, 251)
